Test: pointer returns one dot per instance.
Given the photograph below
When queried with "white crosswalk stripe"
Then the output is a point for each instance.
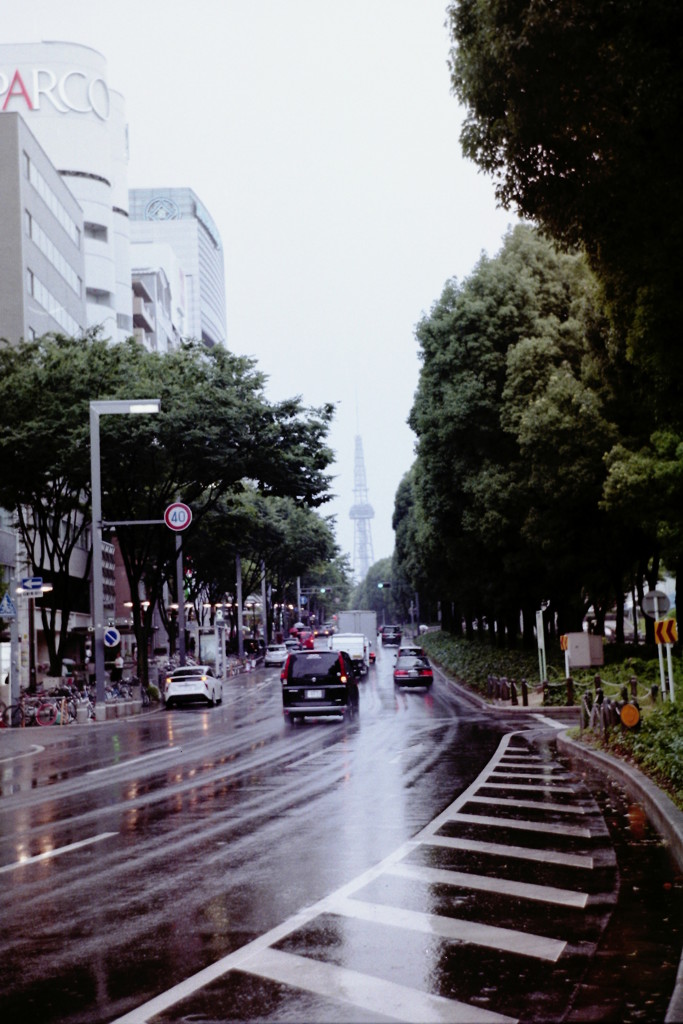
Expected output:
(455, 832)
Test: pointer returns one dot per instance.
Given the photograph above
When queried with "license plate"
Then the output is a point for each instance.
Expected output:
(314, 694)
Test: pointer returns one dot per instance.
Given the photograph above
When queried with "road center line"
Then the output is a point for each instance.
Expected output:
(58, 852)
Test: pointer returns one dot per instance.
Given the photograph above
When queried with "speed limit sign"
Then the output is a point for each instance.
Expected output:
(178, 516)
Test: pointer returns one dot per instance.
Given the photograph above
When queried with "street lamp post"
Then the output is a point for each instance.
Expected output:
(97, 409)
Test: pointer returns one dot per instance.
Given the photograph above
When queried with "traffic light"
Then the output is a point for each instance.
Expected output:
(382, 586)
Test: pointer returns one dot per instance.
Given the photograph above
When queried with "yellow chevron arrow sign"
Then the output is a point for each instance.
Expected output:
(665, 631)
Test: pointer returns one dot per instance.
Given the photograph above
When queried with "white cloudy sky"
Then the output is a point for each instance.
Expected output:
(323, 138)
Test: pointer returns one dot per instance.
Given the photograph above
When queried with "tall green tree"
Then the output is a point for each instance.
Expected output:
(215, 432)
(514, 422)
(573, 107)
(45, 388)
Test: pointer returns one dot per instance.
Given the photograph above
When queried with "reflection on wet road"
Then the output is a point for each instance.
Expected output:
(308, 871)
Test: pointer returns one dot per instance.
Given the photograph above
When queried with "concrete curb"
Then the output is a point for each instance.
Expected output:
(662, 811)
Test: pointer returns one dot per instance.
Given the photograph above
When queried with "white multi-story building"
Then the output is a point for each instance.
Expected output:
(159, 320)
(42, 285)
(176, 217)
(60, 91)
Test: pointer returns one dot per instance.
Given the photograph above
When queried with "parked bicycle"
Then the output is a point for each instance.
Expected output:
(39, 709)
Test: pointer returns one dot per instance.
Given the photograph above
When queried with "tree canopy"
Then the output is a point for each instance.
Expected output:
(573, 107)
(522, 414)
(215, 436)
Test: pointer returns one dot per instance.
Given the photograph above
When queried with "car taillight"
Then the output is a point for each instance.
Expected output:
(400, 672)
(343, 679)
(425, 672)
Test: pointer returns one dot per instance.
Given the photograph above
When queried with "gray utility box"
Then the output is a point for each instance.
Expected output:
(585, 650)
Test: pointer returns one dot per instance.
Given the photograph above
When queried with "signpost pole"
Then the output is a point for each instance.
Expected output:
(671, 671)
(540, 636)
(659, 649)
(180, 584)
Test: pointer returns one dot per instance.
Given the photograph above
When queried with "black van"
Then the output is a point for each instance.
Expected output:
(317, 683)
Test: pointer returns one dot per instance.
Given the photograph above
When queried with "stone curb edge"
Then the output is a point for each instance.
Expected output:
(663, 813)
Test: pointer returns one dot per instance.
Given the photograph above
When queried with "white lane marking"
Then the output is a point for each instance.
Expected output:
(483, 883)
(568, 860)
(239, 960)
(525, 786)
(452, 928)
(374, 995)
(134, 760)
(57, 852)
(527, 804)
(546, 780)
(524, 826)
(35, 748)
(551, 721)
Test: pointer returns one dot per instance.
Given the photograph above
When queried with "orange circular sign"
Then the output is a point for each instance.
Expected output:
(630, 715)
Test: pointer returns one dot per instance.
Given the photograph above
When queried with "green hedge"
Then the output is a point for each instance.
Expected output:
(656, 748)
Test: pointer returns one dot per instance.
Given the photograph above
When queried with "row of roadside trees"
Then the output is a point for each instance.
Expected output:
(254, 473)
(549, 413)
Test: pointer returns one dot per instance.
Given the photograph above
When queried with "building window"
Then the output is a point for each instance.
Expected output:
(98, 297)
(45, 298)
(97, 231)
(52, 253)
(54, 205)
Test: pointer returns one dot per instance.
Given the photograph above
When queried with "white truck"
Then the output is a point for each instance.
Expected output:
(358, 621)
(356, 645)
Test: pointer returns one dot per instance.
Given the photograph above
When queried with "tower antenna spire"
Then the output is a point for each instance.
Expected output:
(362, 513)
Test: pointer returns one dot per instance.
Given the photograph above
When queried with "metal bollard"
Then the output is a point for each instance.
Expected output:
(513, 692)
(525, 694)
(570, 692)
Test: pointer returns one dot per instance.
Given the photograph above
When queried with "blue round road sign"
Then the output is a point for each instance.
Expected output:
(112, 637)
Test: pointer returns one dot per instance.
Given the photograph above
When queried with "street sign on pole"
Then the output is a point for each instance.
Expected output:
(655, 603)
(32, 583)
(178, 516)
(112, 637)
(8, 609)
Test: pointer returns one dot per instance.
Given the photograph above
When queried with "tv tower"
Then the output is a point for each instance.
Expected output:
(361, 512)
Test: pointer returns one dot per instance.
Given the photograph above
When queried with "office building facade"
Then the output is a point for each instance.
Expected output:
(60, 91)
(42, 267)
(177, 217)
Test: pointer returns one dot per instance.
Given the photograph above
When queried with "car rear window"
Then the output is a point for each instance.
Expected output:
(321, 665)
(412, 661)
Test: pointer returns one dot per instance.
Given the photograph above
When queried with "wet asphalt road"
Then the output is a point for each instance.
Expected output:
(135, 854)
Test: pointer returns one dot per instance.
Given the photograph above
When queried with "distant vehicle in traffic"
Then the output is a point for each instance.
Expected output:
(318, 684)
(406, 648)
(276, 654)
(391, 635)
(356, 646)
(413, 670)
(190, 683)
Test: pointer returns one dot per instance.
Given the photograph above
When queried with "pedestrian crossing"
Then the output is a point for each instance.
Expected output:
(514, 880)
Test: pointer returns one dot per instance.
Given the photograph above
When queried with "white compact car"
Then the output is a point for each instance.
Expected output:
(191, 683)
(276, 654)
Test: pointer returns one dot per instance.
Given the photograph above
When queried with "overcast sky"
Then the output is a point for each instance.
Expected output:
(323, 139)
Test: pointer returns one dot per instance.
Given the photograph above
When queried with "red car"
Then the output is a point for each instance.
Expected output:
(306, 639)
